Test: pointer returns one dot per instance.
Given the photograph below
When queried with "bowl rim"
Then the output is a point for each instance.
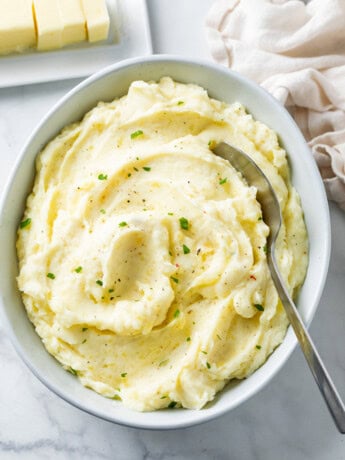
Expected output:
(204, 416)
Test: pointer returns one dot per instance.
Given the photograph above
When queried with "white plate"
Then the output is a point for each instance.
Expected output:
(129, 36)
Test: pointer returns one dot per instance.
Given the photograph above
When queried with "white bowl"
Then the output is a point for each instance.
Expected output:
(113, 82)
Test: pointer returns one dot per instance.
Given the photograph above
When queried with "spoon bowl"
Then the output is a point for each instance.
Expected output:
(271, 214)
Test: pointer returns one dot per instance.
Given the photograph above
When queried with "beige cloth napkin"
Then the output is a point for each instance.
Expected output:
(297, 53)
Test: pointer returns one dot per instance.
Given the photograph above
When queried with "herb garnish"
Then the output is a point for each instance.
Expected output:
(51, 276)
(99, 282)
(174, 279)
(146, 168)
(188, 339)
(180, 103)
(84, 329)
(186, 249)
(25, 223)
(123, 224)
(184, 223)
(222, 181)
(102, 176)
(177, 313)
(137, 133)
(259, 306)
(72, 371)
(123, 375)
(78, 269)
(208, 365)
(258, 347)
(102, 211)
(172, 404)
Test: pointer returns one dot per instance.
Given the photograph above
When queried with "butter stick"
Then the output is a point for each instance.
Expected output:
(17, 28)
(48, 23)
(97, 19)
(73, 21)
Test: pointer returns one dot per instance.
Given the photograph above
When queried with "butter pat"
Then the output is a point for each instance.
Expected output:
(97, 19)
(49, 24)
(17, 28)
(73, 21)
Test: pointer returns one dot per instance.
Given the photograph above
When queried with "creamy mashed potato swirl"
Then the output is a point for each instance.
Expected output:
(143, 255)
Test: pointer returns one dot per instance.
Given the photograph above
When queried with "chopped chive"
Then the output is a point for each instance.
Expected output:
(260, 218)
(137, 158)
(123, 224)
(51, 276)
(170, 213)
(102, 176)
(163, 397)
(212, 143)
(117, 398)
(25, 223)
(174, 279)
(188, 339)
(177, 313)
(110, 290)
(146, 168)
(259, 306)
(102, 211)
(184, 223)
(135, 169)
(85, 329)
(163, 363)
(186, 249)
(123, 375)
(219, 337)
(172, 404)
(265, 249)
(222, 181)
(258, 347)
(137, 133)
(99, 282)
(129, 175)
(203, 351)
(72, 371)
(78, 269)
(180, 103)
(84, 341)
(208, 365)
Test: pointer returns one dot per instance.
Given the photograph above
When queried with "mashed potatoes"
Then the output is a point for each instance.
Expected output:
(143, 255)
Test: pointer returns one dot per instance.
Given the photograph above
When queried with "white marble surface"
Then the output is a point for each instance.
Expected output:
(286, 421)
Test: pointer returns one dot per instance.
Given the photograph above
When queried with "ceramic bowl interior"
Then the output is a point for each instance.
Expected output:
(106, 85)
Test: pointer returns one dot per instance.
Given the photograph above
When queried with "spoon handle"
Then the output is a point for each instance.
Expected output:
(321, 376)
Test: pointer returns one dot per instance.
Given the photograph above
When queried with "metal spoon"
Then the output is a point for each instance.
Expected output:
(272, 217)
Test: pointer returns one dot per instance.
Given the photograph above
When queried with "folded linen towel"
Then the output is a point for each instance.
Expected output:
(296, 51)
